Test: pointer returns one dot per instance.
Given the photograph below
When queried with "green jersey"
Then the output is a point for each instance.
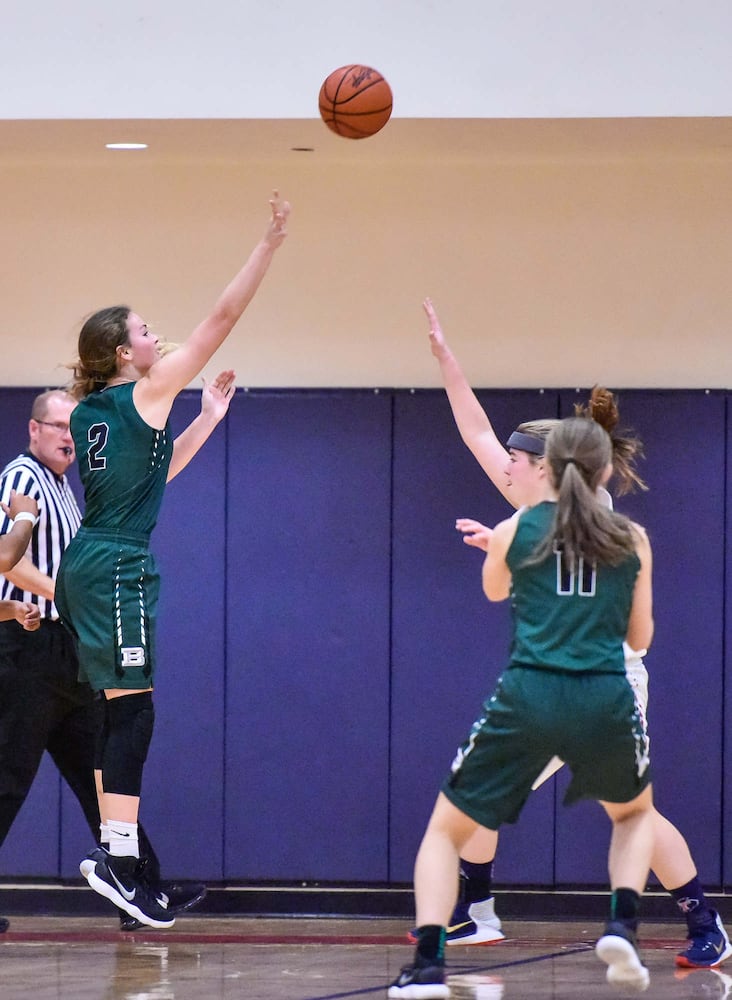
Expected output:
(561, 620)
(123, 462)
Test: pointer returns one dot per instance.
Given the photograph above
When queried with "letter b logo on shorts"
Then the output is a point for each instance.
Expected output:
(133, 656)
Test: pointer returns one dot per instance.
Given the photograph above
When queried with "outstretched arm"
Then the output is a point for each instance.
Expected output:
(215, 399)
(155, 392)
(25, 575)
(472, 421)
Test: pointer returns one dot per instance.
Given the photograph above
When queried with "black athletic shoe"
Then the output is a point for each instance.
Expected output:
(128, 923)
(116, 879)
(417, 982)
(4, 924)
(181, 897)
(618, 949)
(178, 896)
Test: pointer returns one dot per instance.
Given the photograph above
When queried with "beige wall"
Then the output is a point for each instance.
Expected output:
(558, 253)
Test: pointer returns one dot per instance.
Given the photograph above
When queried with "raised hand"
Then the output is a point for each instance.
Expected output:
(216, 395)
(437, 338)
(277, 228)
(474, 533)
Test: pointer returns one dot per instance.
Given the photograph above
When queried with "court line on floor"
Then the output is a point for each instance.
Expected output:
(458, 970)
(190, 937)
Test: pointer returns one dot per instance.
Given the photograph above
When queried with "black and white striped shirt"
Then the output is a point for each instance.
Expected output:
(58, 521)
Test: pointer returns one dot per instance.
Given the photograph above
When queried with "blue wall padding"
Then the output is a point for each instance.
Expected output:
(325, 644)
(184, 779)
(449, 644)
(683, 435)
(726, 797)
(307, 668)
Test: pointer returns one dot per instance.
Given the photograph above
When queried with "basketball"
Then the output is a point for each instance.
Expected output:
(355, 101)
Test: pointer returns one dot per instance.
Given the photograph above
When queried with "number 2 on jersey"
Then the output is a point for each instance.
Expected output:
(97, 437)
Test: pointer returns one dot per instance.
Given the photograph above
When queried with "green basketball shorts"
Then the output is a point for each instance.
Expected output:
(107, 595)
(591, 721)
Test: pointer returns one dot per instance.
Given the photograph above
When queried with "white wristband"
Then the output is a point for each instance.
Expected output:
(25, 515)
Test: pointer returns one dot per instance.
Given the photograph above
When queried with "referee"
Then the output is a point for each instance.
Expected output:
(43, 705)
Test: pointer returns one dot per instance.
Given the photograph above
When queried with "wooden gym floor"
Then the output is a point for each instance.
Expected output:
(211, 958)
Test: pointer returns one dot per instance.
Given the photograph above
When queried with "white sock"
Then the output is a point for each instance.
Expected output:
(123, 839)
(104, 834)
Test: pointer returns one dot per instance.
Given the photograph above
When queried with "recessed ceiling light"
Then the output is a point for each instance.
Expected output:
(126, 145)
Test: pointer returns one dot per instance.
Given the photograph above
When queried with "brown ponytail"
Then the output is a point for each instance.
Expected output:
(603, 408)
(100, 336)
(578, 451)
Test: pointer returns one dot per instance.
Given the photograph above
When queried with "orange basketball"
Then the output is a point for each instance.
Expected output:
(355, 101)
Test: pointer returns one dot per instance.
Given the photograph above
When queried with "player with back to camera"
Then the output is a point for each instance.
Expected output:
(579, 578)
(518, 472)
(107, 585)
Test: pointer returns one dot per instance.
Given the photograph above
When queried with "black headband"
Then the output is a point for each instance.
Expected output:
(526, 442)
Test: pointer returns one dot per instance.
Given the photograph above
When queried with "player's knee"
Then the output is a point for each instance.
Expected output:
(130, 721)
(102, 727)
(142, 731)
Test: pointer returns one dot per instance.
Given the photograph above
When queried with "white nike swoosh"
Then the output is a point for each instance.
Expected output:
(129, 896)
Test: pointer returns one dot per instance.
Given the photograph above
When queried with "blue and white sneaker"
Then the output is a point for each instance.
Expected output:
(475, 923)
(471, 923)
(618, 949)
(707, 947)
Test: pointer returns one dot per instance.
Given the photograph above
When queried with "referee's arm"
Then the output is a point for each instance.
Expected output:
(27, 577)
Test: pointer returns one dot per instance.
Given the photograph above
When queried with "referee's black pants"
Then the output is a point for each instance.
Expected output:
(43, 706)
